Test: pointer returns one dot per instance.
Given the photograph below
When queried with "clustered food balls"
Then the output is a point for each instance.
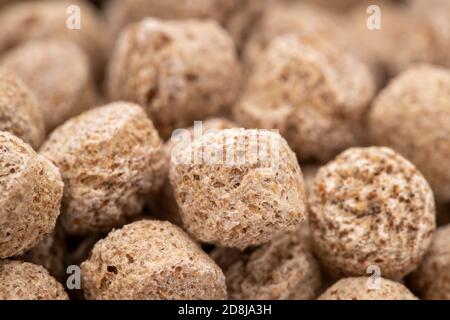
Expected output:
(371, 206)
(63, 89)
(30, 196)
(161, 65)
(110, 159)
(151, 260)
(19, 110)
(232, 195)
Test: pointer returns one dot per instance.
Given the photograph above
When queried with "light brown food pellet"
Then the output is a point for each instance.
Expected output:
(282, 269)
(24, 21)
(358, 289)
(151, 260)
(179, 71)
(27, 281)
(30, 195)
(313, 93)
(371, 206)
(19, 110)
(232, 196)
(63, 89)
(110, 159)
(431, 281)
(411, 115)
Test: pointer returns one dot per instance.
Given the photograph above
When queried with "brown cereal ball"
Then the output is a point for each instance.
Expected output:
(19, 110)
(180, 71)
(315, 94)
(149, 260)
(282, 269)
(110, 158)
(30, 195)
(370, 206)
(358, 289)
(27, 281)
(432, 279)
(411, 115)
(24, 21)
(241, 188)
(58, 73)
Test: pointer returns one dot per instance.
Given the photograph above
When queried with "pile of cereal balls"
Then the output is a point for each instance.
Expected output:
(224, 149)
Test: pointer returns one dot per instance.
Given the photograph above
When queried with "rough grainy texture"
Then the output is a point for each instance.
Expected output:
(281, 269)
(163, 204)
(63, 89)
(233, 196)
(411, 115)
(180, 71)
(358, 289)
(30, 196)
(370, 206)
(26, 281)
(19, 110)
(23, 21)
(151, 260)
(431, 281)
(110, 159)
(313, 93)
(237, 16)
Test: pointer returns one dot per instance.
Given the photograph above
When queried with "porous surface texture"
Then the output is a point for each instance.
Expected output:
(238, 187)
(411, 115)
(19, 110)
(179, 71)
(359, 289)
(281, 269)
(111, 158)
(370, 206)
(431, 281)
(26, 281)
(63, 89)
(151, 260)
(30, 196)
(313, 93)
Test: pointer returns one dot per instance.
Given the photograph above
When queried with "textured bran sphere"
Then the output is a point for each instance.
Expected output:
(19, 110)
(151, 260)
(30, 196)
(63, 89)
(358, 289)
(233, 196)
(431, 281)
(411, 115)
(315, 94)
(24, 21)
(282, 269)
(179, 71)
(370, 206)
(27, 281)
(110, 159)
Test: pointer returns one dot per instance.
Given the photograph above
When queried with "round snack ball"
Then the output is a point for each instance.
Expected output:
(19, 110)
(24, 21)
(63, 89)
(149, 260)
(241, 189)
(110, 159)
(431, 281)
(30, 196)
(411, 115)
(180, 71)
(282, 269)
(27, 281)
(315, 94)
(370, 206)
(359, 289)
